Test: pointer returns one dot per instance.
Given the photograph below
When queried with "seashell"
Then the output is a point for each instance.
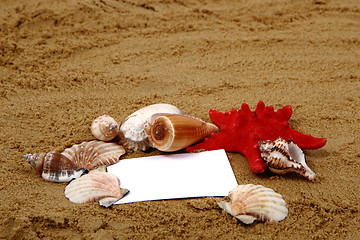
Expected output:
(95, 186)
(105, 128)
(133, 130)
(94, 153)
(54, 166)
(172, 132)
(255, 202)
(285, 156)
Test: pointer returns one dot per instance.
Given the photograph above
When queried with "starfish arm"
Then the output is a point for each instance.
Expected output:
(217, 117)
(257, 165)
(306, 141)
(284, 114)
(212, 143)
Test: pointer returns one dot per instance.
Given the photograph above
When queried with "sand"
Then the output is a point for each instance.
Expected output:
(63, 63)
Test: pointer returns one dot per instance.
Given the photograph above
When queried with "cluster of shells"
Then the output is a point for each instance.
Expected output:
(167, 128)
(161, 126)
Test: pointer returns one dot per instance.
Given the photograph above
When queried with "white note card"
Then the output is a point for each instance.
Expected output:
(171, 176)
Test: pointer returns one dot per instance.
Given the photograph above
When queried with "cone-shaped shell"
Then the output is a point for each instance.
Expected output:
(54, 166)
(104, 128)
(255, 202)
(95, 186)
(285, 156)
(133, 130)
(172, 132)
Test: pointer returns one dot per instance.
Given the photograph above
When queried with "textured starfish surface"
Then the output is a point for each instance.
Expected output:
(240, 131)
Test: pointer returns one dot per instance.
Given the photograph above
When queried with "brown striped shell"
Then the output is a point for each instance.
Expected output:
(94, 153)
(54, 166)
(255, 202)
(95, 186)
(285, 156)
(133, 130)
(104, 128)
(172, 132)
(74, 161)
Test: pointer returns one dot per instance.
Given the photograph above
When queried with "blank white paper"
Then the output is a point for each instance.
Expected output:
(170, 176)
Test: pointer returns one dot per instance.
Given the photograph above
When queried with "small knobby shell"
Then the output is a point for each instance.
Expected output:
(105, 128)
(255, 202)
(133, 130)
(54, 166)
(94, 153)
(95, 186)
(172, 132)
(285, 156)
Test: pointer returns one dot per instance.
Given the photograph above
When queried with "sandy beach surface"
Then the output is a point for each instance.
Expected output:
(63, 63)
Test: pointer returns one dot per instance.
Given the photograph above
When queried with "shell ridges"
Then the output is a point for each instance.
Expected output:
(95, 186)
(255, 202)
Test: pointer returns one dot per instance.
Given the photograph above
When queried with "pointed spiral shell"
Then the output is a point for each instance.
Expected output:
(95, 186)
(172, 132)
(74, 161)
(255, 202)
(54, 166)
(105, 128)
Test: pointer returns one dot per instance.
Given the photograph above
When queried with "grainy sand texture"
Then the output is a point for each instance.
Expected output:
(63, 63)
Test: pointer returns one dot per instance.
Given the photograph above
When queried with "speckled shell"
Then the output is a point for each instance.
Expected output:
(94, 153)
(95, 186)
(172, 132)
(285, 156)
(54, 166)
(105, 128)
(255, 202)
(133, 130)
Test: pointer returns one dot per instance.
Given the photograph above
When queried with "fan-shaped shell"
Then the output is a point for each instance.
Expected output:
(105, 128)
(95, 186)
(255, 202)
(94, 153)
(172, 132)
(54, 166)
(285, 156)
(133, 130)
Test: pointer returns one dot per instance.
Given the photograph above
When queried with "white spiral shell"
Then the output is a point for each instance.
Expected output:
(255, 202)
(133, 130)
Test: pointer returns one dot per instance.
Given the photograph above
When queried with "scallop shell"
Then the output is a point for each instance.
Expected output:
(54, 166)
(105, 128)
(255, 202)
(133, 130)
(95, 186)
(94, 153)
(285, 156)
(172, 132)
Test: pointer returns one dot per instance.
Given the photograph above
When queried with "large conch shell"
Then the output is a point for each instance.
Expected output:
(95, 186)
(255, 202)
(285, 156)
(94, 153)
(54, 166)
(105, 128)
(172, 132)
(74, 161)
(133, 130)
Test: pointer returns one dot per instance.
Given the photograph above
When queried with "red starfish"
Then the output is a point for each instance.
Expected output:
(240, 131)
